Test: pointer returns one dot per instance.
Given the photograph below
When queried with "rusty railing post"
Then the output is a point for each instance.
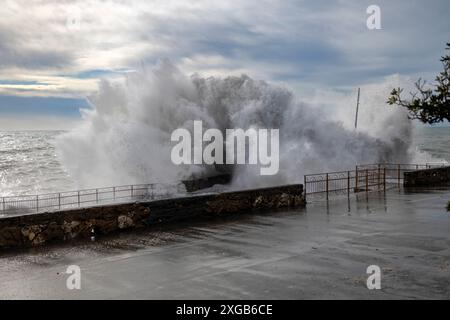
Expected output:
(356, 180)
(367, 180)
(114, 193)
(304, 186)
(348, 184)
(96, 196)
(78, 199)
(59, 201)
(327, 186)
(398, 175)
(379, 177)
(384, 178)
(37, 203)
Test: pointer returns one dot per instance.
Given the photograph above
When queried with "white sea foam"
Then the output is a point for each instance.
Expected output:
(125, 138)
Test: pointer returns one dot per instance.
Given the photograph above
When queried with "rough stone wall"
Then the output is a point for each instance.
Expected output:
(38, 229)
(198, 184)
(427, 177)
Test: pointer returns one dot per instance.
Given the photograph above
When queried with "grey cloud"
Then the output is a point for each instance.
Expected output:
(318, 42)
(13, 53)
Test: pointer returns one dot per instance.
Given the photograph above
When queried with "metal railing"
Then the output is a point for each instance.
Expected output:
(365, 178)
(344, 182)
(395, 171)
(88, 198)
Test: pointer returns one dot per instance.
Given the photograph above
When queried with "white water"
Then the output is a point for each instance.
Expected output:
(29, 164)
(125, 138)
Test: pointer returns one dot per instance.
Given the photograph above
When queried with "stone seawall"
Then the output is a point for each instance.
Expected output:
(38, 229)
(203, 183)
(427, 178)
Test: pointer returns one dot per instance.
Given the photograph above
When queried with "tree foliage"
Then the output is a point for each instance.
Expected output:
(429, 105)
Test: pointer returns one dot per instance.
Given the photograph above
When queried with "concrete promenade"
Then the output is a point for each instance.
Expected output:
(321, 251)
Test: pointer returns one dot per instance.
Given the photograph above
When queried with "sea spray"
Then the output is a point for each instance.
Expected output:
(125, 137)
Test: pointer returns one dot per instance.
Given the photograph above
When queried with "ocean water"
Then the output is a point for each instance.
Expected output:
(29, 164)
(434, 141)
(29, 161)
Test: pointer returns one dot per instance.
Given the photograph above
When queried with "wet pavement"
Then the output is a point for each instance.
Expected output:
(318, 252)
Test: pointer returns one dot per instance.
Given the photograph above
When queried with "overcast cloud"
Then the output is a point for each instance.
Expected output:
(60, 49)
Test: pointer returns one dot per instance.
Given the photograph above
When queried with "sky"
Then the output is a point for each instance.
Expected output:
(54, 53)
